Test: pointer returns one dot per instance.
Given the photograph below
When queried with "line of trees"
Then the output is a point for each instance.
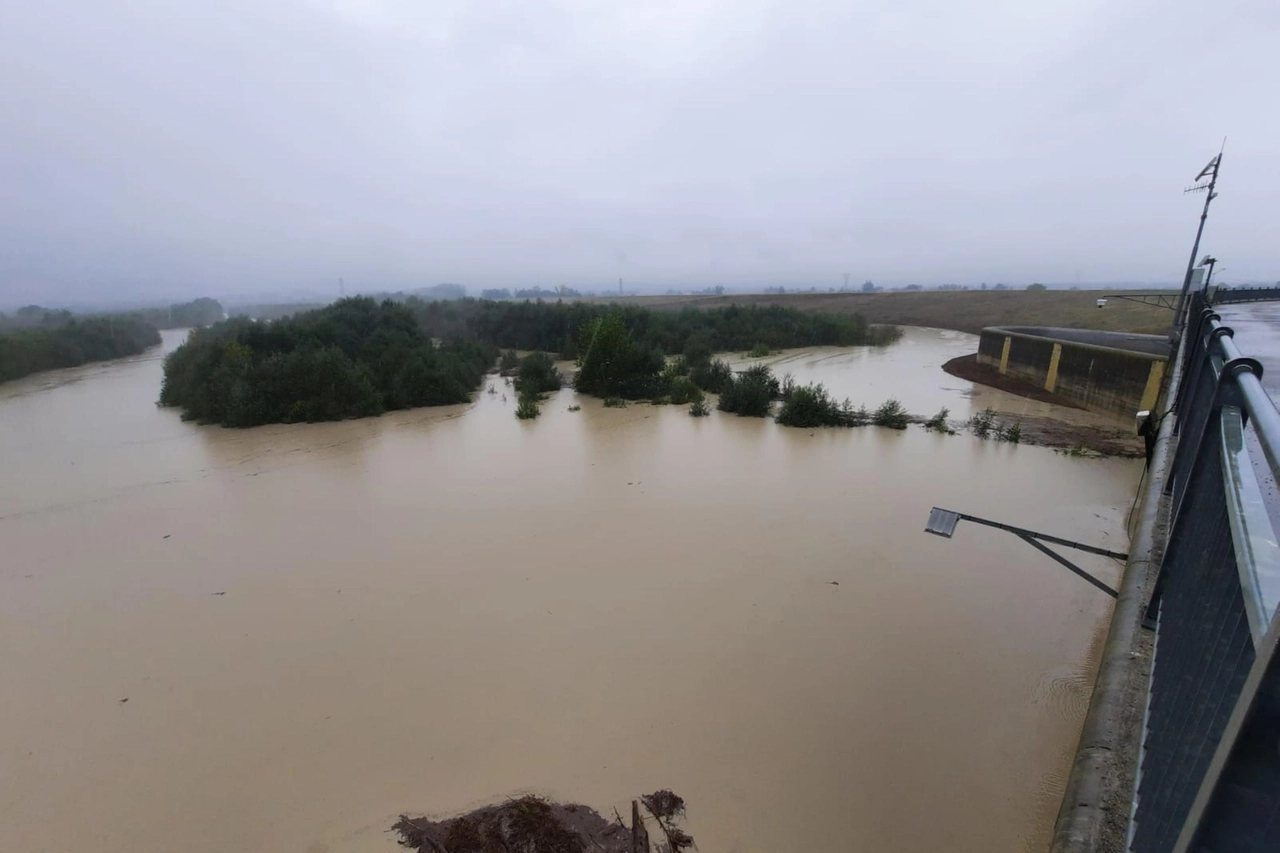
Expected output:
(185, 315)
(530, 293)
(354, 358)
(359, 357)
(61, 340)
(557, 326)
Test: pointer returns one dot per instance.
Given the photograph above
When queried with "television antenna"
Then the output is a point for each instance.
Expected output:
(1206, 182)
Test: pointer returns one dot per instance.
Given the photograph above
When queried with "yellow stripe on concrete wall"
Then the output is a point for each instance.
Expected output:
(1153, 386)
(1004, 355)
(1052, 379)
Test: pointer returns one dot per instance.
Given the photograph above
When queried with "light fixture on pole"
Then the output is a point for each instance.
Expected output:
(942, 522)
(1207, 261)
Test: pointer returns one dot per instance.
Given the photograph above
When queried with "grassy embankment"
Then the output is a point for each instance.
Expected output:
(962, 310)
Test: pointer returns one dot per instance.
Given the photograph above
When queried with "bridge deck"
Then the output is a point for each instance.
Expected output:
(1257, 328)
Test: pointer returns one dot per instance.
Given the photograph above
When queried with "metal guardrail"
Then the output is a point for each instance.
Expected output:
(1225, 295)
(1209, 768)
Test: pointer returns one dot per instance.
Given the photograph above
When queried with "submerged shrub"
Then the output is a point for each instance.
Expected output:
(891, 415)
(684, 391)
(939, 423)
(1011, 433)
(712, 376)
(538, 373)
(527, 408)
(750, 393)
(982, 423)
(699, 409)
(812, 406)
(613, 364)
(787, 387)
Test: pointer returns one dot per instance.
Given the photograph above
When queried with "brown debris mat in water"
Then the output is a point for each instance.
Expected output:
(529, 824)
(533, 825)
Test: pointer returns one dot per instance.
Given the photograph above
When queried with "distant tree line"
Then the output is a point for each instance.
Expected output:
(557, 326)
(60, 340)
(529, 293)
(186, 315)
(272, 311)
(354, 358)
(35, 317)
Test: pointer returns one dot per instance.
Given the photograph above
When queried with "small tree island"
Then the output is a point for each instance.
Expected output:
(359, 357)
(353, 359)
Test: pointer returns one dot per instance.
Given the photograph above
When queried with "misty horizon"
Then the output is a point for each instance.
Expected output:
(252, 152)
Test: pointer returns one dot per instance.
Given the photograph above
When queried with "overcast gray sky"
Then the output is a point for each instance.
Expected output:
(162, 148)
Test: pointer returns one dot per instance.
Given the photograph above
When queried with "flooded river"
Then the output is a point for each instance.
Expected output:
(317, 627)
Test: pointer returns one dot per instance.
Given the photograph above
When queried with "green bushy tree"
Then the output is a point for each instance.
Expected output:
(538, 372)
(750, 393)
(812, 406)
(351, 359)
(614, 365)
(683, 390)
(891, 414)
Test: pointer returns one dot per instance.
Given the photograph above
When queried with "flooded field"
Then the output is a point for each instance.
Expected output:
(279, 639)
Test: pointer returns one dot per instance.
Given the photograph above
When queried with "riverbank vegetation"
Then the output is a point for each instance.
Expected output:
(57, 339)
(535, 377)
(613, 364)
(985, 425)
(891, 414)
(358, 357)
(684, 391)
(538, 374)
(750, 393)
(352, 359)
(812, 406)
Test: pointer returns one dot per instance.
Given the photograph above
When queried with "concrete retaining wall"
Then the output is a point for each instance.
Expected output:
(1112, 373)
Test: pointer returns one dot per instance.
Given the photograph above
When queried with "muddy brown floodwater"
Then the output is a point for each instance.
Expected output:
(318, 627)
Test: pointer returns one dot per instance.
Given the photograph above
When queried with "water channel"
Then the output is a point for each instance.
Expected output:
(317, 627)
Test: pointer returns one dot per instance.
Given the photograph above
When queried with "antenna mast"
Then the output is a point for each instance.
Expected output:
(1211, 172)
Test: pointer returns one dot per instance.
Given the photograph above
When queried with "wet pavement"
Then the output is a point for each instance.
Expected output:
(1257, 328)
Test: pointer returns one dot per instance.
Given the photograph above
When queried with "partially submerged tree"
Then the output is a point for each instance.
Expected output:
(612, 364)
(750, 393)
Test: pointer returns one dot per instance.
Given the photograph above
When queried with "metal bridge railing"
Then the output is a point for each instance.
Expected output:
(1209, 771)
(1224, 295)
